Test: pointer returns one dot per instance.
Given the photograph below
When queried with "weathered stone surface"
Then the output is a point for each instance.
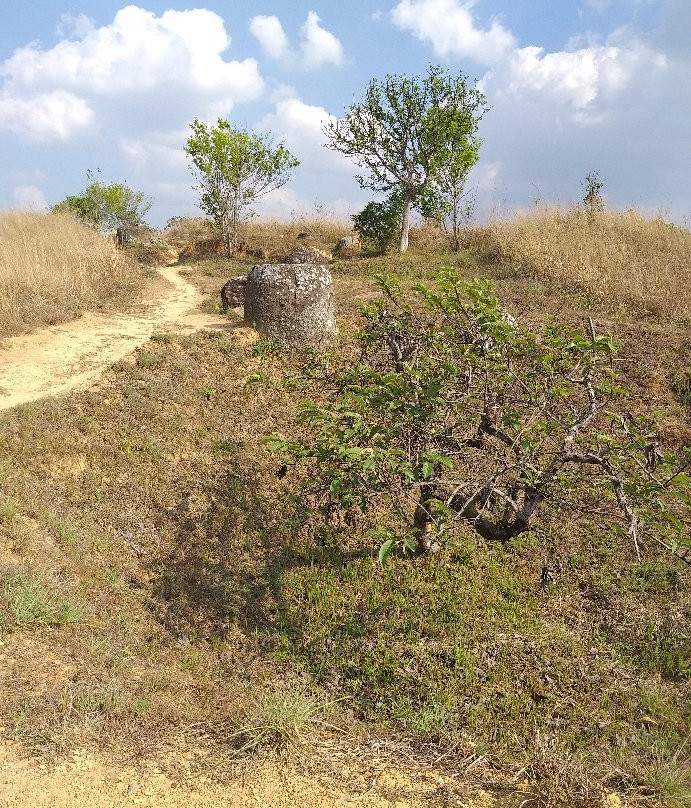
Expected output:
(306, 255)
(348, 247)
(233, 292)
(292, 303)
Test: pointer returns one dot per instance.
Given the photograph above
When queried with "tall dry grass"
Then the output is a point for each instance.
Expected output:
(619, 260)
(53, 267)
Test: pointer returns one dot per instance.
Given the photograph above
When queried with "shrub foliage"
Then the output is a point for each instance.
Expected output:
(455, 412)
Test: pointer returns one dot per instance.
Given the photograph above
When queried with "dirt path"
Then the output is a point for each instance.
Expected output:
(68, 356)
(83, 779)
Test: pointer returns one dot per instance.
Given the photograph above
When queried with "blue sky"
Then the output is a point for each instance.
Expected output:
(573, 86)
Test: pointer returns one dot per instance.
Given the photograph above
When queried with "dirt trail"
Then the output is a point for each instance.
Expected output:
(83, 779)
(68, 356)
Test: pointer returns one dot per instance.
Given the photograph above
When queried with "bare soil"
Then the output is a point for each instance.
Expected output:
(53, 360)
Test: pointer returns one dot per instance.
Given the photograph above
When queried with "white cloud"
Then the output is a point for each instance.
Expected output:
(271, 36)
(54, 115)
(450, 27)
(301, 127)
(29, 197)
(618, 104)
(125, 74)
(318, 46)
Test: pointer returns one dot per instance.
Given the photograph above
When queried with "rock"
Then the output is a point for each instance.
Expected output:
(306, 255)
(292, 303)
(233, 292)
(306, 236)
(348, 247)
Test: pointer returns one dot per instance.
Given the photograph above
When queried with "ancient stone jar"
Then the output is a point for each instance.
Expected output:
(291, 303)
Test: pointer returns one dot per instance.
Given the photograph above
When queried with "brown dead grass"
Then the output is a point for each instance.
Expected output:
(53, 268)
(621, 261)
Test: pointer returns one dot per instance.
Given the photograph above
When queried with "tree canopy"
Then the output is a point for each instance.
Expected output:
(408, 130)
(235, 168)
(108, 207)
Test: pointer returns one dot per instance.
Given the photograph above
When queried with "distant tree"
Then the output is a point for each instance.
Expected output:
(235, 168)
(107, 207)
(592, 198)
(407, 130)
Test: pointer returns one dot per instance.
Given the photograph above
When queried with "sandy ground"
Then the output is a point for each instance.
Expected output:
(53, 360)
(83, 780)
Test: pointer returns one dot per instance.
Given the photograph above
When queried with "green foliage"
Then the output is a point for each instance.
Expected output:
(378, 223)
(235, 168)
(455, 413)
(592, 198)
(408, 130)
(107, 207)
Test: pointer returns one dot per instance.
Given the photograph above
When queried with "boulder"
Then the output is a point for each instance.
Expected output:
(348, 247)
(292, 304)
(233, 292)
(306, 255)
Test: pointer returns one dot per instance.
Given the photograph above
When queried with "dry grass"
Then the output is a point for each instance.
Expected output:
(53, 268)
(618, 260)
(268, 239)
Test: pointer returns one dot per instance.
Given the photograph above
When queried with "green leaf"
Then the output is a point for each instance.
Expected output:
(385, 549)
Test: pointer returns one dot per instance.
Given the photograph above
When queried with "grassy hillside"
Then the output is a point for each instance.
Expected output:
(53, 267)
(154, 575)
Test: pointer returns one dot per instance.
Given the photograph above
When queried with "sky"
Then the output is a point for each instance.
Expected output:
(572, 86)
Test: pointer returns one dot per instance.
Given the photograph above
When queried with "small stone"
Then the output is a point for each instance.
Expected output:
(132, 789)
(348, 247)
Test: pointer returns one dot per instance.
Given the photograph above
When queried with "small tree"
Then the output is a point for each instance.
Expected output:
(235, 168)
(592, 198)
(378, 223)
(407, 130)
(455, 205)
(453, 412)
(108, 207)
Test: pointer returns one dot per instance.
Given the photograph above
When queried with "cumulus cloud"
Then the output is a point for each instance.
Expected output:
(53, 115)
(598, 103)
(450, 27)
(271, 36)
(301, 127)
(123, 73)
(29, 197)
(318, 46)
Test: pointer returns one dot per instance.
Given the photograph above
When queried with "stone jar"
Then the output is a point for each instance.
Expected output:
(292, 304)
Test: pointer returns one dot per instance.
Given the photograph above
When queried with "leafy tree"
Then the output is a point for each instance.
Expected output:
(454, 412)
(454, 206)
(592, 198)
(407, 130)
(108, 207)
(235, 168)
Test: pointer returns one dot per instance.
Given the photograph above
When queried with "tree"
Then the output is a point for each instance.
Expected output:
(454, 206)
(108, 207)
(378, 223)
(592, 198)
(407, 130)
(454, 412)
(235, 168)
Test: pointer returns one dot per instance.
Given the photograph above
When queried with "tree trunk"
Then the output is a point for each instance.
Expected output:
(407, 207)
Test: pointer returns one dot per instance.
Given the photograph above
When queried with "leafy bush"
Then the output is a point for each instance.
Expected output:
(379, 223)
(454, 412)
